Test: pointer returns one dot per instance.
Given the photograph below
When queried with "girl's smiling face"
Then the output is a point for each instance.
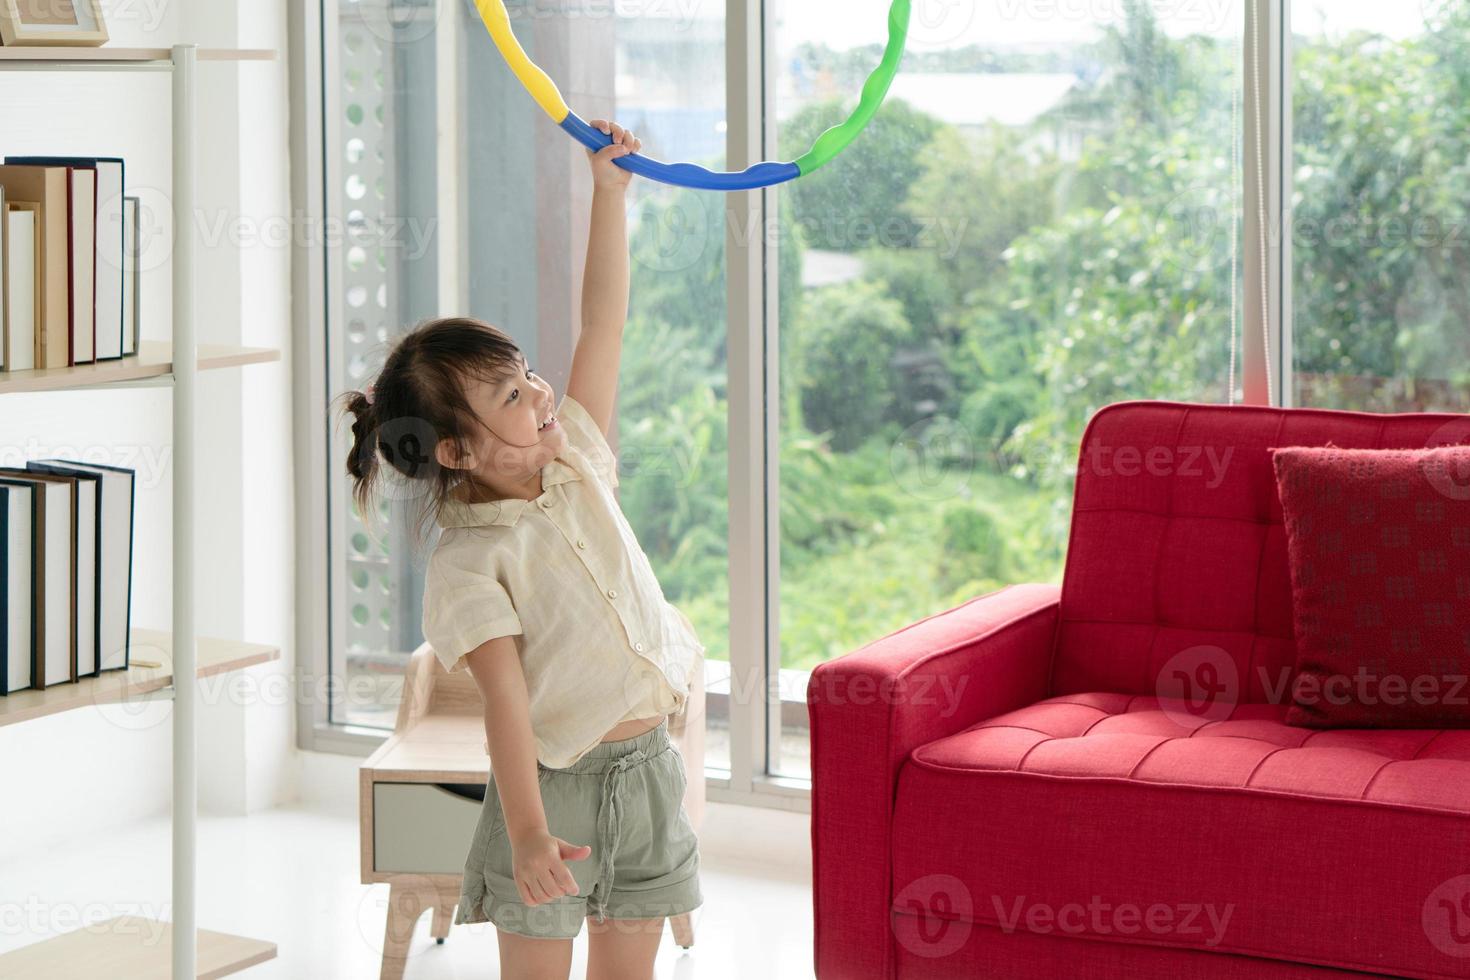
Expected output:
(510, 455)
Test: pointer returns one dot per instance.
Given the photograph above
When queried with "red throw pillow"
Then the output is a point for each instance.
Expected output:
(1379, 546)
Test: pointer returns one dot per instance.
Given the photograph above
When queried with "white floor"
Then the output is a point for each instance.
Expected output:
(291, 875)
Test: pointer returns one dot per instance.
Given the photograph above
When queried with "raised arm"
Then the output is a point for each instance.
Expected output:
(594, 374)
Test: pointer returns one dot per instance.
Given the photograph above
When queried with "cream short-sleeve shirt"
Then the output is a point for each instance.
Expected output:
(564, 574)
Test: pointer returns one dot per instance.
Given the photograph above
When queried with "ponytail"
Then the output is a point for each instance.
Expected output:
(362, 460)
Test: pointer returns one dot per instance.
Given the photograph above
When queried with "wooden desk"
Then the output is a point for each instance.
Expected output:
(414, 833)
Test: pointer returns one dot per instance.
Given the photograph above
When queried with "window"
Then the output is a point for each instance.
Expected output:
(1042, 219)
(1055, 209)
(1381, 290)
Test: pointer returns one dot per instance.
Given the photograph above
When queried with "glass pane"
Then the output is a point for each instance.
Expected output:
(384, 209)
(673, 440)
(1381, 294)
(1042, 219)
(666, 68)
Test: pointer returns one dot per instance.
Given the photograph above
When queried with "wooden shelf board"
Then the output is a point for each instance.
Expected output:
(131, 947)
(106, 54)
(153, 360)
(215, 657)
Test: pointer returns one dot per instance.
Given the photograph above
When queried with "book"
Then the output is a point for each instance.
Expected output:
(132, 318)
(107, 263)
(81, 243)
(18, 503)
(48, 187)
(4, 279)
(90, 586)
(115, 540)
(55, 580)
(22, 275)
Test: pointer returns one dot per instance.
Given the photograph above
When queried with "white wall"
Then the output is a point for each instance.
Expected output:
(72, 775)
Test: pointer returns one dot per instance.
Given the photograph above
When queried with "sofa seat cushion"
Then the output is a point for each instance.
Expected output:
(1127, 819)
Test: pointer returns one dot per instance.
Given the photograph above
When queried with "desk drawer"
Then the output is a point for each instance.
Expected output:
(422, 828)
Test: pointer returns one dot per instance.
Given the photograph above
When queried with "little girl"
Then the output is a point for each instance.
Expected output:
(539, 588)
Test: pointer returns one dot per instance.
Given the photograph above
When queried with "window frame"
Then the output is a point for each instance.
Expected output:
(1271, 36)
(753, 384)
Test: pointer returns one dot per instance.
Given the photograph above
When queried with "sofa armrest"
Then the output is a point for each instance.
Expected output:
(868, 710)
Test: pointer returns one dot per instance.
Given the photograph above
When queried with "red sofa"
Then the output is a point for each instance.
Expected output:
(1096, 781)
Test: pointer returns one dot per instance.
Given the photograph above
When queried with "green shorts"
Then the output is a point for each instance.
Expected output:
(626, 800)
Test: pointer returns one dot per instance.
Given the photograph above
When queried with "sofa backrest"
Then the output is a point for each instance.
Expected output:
(1177, 553)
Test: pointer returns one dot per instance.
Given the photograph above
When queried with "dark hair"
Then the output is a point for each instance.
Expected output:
(419, 398)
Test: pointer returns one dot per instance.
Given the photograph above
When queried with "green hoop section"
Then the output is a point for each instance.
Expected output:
(835, 140)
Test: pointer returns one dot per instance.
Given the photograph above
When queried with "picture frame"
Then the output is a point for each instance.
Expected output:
(52, 22)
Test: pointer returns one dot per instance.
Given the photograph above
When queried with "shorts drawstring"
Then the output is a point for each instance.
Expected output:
(609, 826)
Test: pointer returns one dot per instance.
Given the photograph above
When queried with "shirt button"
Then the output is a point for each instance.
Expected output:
(612, 593)
(581, 543)
(638, 647)
(547, 502)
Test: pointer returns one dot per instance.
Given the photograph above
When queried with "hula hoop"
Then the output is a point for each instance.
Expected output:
(828, 144)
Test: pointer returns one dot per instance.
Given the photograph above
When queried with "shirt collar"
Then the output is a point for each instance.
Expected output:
(457, 513)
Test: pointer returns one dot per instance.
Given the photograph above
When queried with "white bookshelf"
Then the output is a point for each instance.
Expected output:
(122, 947)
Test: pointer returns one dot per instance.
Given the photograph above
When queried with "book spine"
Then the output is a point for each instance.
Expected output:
(5, 586)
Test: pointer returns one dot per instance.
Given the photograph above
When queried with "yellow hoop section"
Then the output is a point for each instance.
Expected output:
(536, 81)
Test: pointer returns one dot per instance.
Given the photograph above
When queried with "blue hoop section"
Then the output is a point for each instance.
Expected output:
(683, 174)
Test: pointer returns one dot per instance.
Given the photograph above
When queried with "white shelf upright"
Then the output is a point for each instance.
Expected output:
(186, 372)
